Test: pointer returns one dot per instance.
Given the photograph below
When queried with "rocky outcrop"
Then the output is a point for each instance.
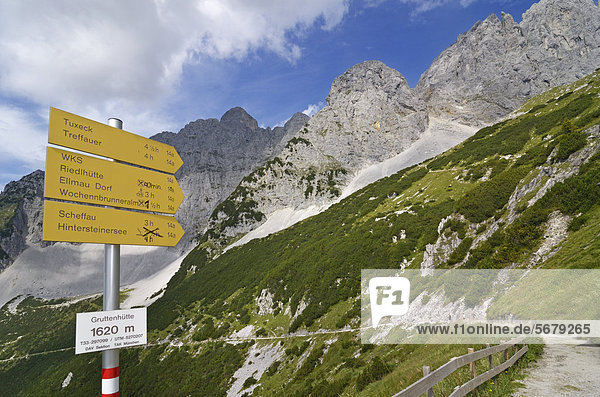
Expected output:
(371, 115)
(498, 64)
(21, 210)
(216, 155)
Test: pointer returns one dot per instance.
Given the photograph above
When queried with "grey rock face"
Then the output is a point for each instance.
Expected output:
(371, 115)
(21, 203)
(217, 154)
(498, 64)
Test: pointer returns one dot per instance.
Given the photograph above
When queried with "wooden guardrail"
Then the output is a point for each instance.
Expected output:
(425, 384)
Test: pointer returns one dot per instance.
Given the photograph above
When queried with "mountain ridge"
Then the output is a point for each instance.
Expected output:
(377, 119)
(372, 114)
(498, 64)
(282, 312)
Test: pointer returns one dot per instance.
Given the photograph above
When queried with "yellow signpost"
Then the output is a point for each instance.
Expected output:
(90, 224)
(76, 132)
(72, 176)
(76, 177)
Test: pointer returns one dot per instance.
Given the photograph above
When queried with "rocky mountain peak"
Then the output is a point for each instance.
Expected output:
(544, 7)
(562, 26)
(368, 75)
(296, 121)
(498, 64)
(371, 107)
(21, 206)
(508, 21)
(29, 186)
(237, 116)
(216, 155)
(491, 19)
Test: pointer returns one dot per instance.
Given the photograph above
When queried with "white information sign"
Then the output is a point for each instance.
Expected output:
(97, 331)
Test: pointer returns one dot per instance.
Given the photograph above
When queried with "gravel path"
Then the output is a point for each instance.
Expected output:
(564, 370)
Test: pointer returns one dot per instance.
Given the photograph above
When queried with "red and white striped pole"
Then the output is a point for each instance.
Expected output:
(112, 275)
(110, 382)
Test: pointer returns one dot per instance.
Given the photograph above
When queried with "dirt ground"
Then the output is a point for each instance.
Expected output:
(564, 370)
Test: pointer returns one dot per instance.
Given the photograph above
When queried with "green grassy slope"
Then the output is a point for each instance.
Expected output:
(311, 271)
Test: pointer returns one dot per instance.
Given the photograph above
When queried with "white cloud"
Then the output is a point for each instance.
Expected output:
(99, 58)
(422, 6)
(312, 109)
(108, 52)
(22, 139)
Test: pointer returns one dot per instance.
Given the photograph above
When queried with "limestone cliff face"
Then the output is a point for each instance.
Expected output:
(372, 114)
(236, 174)
(216, 155)
(498, 64)
(21, 209)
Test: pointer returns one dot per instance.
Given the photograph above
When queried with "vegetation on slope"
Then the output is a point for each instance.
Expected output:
(493, 195)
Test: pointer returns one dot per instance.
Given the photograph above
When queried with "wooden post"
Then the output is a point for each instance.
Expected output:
(471, 364)
(426, 371)
(505, 354)
(491, 361)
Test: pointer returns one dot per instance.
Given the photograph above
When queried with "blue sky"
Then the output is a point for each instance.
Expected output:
(158, 65)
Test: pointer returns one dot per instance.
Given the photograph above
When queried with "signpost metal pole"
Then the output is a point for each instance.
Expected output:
(149, 190)
(112, 274)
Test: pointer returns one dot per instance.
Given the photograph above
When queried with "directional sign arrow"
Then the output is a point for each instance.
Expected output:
(88, 224)
(76, 177)
(76, 132)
